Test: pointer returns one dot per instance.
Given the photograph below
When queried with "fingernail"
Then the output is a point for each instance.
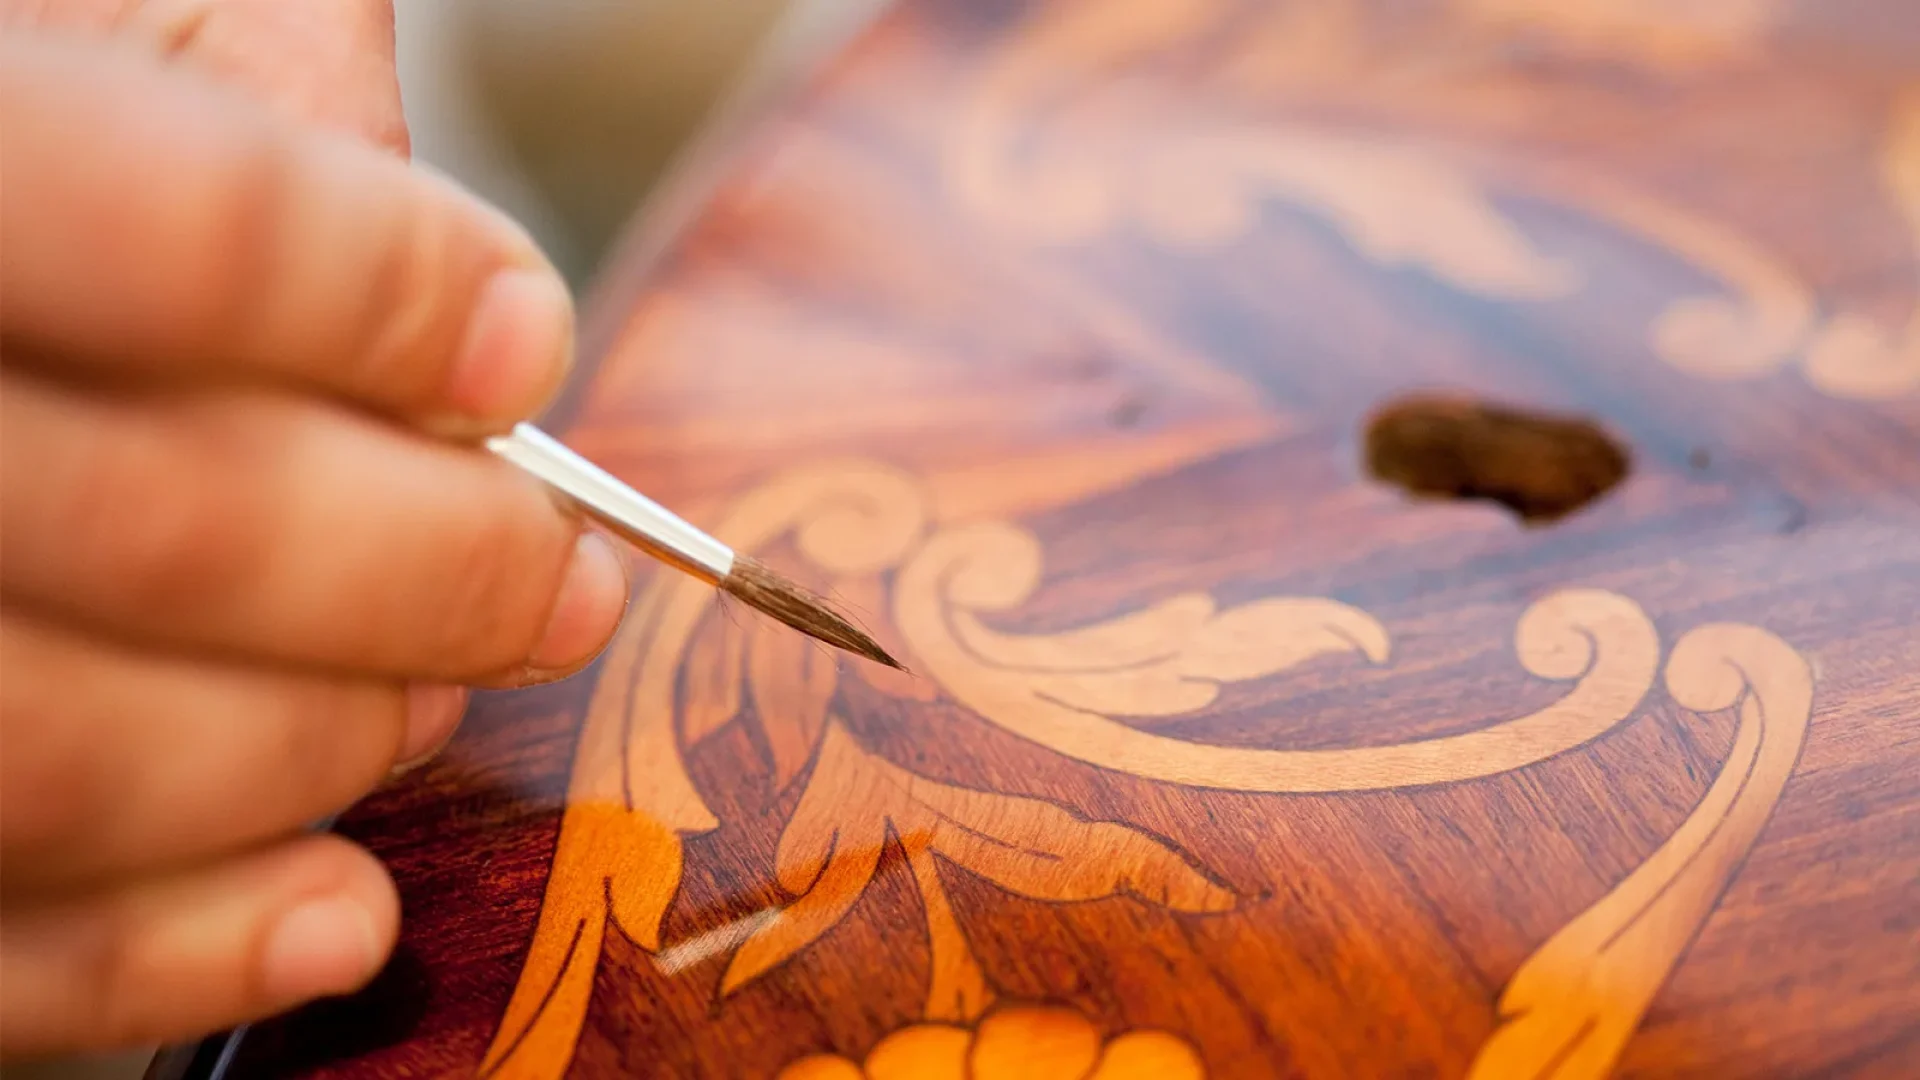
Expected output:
(326, 946)
(518, 346)
(433, 714)
(588, 608)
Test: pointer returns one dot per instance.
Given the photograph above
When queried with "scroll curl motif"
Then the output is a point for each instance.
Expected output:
(1752, 327)
(1570, 1009)
(1039, 689)
(1855, 356)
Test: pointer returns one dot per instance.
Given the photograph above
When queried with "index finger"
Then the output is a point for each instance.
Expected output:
(155, 227)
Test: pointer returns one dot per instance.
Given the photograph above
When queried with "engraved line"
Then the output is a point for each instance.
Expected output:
(553, 988)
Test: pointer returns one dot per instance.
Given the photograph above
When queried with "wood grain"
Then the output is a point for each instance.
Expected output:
(1045, 336)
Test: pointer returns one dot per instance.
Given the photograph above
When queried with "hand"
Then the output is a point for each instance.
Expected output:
(328, 63)
(241, 582)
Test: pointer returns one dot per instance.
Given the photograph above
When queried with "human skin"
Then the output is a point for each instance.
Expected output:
(252, 555)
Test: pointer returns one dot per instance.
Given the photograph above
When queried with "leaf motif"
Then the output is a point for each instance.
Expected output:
(1271, 635)
(711, 677)
(1196, 182)
(1153, 691)
(826, 858)
(630, 799)
(1139, 637)
(956, 987)
(1040, 850)
(606, 853)
(831, 848)
(1171, 658)
(793, 679)
(619, 857)
(1402, 204)
(550, 998)
(841, 881)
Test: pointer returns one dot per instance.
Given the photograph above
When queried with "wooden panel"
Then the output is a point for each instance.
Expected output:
(1047, 335)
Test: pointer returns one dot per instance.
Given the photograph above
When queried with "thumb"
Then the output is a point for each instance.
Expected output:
(176, 957)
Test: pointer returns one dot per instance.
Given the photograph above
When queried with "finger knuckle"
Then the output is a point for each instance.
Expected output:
(248, 236)
(404, 342)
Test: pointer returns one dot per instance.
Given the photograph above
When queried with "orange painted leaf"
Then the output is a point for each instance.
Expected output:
(827, 858)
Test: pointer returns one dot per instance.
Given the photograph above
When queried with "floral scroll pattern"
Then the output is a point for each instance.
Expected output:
(1049, 147)
(1567, 1013)
(938, 583)
(1601, 641)
(629, 798)
(1569, 1010)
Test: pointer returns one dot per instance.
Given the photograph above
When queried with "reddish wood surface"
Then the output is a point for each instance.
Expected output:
(1101, 294)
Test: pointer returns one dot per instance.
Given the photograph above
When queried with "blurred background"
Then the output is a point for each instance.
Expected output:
(566, 113)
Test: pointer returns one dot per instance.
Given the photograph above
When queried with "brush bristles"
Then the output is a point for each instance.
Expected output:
(759, 588)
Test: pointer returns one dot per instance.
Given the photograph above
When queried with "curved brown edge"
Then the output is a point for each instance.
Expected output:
(792, 54)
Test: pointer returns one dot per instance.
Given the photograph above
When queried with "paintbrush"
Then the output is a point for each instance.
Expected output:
(660, 533)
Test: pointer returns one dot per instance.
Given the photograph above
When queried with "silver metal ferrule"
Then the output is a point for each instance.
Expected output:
(638, 519)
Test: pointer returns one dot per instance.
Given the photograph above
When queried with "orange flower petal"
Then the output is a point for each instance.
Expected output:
(1034, 1043)
(821, 1067)
(921, 1052)
(1149, 1055)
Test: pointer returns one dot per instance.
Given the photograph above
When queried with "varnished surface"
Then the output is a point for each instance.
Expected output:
(1046, 335)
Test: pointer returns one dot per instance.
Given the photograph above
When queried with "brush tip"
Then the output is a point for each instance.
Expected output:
(753, 584)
